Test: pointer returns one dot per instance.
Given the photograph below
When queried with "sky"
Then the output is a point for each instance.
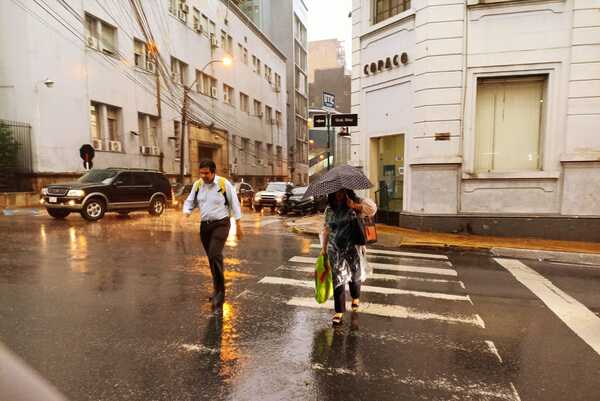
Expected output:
(328, 19)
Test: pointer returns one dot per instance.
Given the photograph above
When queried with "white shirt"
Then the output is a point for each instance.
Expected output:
(211, 201)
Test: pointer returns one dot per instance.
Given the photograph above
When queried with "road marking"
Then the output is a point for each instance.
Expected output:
(580, 319)
(494, 350)
(397, 253)
(380, 276)
(396, 311)
(515, 393)
(368, 288)
(386, 266)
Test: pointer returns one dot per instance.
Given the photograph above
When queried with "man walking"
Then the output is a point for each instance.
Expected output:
(217, 200)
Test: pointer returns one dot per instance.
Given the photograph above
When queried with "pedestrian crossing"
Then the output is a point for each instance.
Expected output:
(423, 288)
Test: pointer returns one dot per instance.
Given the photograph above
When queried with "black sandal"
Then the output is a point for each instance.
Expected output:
(337, 320)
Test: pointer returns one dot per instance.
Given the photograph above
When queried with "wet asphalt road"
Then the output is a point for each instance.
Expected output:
(116, 310)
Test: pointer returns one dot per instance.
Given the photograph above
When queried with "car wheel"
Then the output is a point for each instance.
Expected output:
(257, 209)
(93, 209)
(280, 211)
(58, 213)
(157, 206)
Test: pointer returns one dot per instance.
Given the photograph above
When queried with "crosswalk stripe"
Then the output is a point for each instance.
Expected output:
(574, 314)
(397, 311)
(368, 288)
(380, 276)
(386, 266)
(397, 253)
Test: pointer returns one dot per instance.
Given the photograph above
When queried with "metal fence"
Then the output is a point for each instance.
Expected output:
(18, 177)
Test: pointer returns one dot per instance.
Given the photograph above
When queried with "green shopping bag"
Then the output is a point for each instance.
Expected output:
(323, 280)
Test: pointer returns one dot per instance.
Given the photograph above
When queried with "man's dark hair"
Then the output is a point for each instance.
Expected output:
(209, 164)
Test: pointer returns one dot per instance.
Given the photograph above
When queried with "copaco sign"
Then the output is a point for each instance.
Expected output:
(387, 64)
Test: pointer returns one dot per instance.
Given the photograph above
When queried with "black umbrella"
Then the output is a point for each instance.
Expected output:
(337, 178)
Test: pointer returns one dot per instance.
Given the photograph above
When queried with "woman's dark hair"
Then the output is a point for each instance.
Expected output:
(332, 201)
(209, 164)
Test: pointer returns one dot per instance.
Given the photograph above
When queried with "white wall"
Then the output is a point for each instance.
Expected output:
(60, 115)
(450, 45)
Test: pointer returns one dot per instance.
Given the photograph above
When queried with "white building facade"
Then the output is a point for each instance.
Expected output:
(119, 73)
(285, 22)
(477, 115)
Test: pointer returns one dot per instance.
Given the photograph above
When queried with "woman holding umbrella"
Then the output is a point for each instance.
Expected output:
(347, 260)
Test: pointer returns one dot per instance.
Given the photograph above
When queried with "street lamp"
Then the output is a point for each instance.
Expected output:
(186, 91)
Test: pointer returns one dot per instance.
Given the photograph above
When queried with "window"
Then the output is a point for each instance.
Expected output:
(258, 109)
(279, 156)
(385, 9)
(113, 115)
(268, 74)
(177, 135)
(180, 9)
(204, 23)
(100, 35)
(258, 150)
(142, 56)
(300, 57)
(270, 153)
(301, 105)
(148, 127)
(299, 31)
(197, 22)
(224, 40)
(277, 82)
(258, 69)
(178, 71)
(206, 84)
(95, 130)
(229, 47)
(269, 115)
(245, 56)
(228, 94)
(508, 123)
(245, 150)
(254, 63)
(244, 103)
(301, 82)
(278, 119)
(213, 27)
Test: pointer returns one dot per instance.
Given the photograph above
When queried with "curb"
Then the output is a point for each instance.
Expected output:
(587, 259)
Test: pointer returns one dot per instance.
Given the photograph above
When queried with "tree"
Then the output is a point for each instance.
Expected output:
(9, 149)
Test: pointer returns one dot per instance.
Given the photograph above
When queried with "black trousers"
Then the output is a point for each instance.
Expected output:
(339, 296)
(214, 235)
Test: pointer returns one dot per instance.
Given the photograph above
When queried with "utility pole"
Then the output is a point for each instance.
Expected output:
(328, 142)
(186, 90)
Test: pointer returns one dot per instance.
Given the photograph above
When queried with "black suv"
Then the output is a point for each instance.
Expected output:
(109, 190)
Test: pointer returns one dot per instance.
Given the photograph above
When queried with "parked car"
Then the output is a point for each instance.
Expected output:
(275, 194)
(99, 191)
(245, 193)
(296, 204)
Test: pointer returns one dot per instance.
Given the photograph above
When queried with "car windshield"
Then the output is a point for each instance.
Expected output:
(103, 176)
(276, 187)
(299, 191)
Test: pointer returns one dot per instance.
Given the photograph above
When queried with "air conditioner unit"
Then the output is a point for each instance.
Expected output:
(108, 51)
(97, 144)
(181, 15)
(115, 146)
(155, 150)
(199, 28)
(260, 114)
(213, 92)
(145, 150)
(213, 41)
(92, 42)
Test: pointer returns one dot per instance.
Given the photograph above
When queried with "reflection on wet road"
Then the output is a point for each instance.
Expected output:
(117, 310)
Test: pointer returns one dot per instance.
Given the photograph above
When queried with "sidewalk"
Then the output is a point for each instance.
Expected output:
(525, 248)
